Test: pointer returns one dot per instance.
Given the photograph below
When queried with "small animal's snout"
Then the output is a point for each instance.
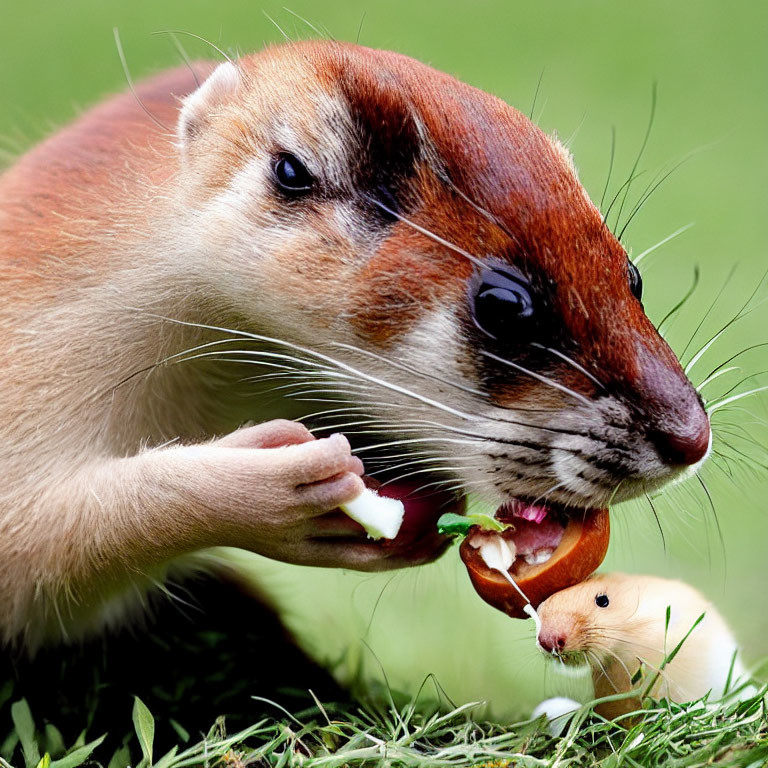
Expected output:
(551, 641)
(683, 448)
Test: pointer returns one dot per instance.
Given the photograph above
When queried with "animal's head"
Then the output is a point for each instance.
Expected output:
(439, 246)
(597, 618)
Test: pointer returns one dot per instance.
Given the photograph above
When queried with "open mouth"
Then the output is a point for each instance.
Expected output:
(548, 549)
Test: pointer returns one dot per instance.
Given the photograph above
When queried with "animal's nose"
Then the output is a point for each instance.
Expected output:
(676, 423)
(551, 642)
(686, 444)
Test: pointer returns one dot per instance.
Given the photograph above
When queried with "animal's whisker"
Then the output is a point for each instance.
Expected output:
(596, 659)
(717, 375)
(715, 518)
(426, 460)
(343, 366)
(658, 522)
(717, 404)
(654, 184)
(442, 485)
(605, 649)
(348, 424)
(571, 362)
(740, 315)
(681, 303)
(648, 251)
(484, 212)
(545, 496)
(610, 167)
(733, 357)
(129, 80)
(538, 376)
(426, 470)
(704, 317)
(427, 233)
(633, 643)
(639, 155)
(221, 355)
(616, 196)
(410, 369)
(414, 440)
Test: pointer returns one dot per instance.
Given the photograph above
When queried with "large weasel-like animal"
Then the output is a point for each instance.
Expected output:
(416, 248)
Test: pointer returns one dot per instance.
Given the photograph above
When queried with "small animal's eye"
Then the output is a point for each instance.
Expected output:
(635, 282)
(602, 601)
(292, 175)
(501, 303)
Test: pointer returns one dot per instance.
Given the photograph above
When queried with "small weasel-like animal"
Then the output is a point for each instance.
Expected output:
(373, 230)
(617, 622)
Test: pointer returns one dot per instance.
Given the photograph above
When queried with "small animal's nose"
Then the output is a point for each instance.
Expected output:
(683, 447)
(551, 642)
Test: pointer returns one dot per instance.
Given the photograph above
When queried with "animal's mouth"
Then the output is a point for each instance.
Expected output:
(552, 547)
(536, 533)
(548, 547)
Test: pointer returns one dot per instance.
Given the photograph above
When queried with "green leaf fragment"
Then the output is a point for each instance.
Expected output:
(452, 524)
(459, 525)
(488, 523)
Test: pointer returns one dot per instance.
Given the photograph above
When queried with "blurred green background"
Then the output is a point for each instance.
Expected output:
(597, 62)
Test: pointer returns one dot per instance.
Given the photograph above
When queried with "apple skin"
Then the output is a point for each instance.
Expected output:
(418, 540)
(582, 549)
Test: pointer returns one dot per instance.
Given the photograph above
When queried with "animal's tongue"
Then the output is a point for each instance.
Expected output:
(515, 508)
(532, 538)
(535, 531)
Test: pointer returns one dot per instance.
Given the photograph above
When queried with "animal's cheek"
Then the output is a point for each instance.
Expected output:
(309, 271)
(400, 286)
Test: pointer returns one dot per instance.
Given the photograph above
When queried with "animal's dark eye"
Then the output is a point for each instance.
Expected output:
(635, 282)
(602, 601)
(292, 176)
(501, 303)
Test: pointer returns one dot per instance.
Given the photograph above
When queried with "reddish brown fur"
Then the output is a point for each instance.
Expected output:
(85, 161)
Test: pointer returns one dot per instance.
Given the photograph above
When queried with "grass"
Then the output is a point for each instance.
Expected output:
(660, 734)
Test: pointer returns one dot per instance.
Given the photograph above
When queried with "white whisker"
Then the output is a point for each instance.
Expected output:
(539, 377)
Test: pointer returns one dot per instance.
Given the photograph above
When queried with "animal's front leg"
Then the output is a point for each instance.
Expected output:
(272, 489)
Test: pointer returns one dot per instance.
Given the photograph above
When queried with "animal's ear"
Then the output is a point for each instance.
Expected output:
(196, 111)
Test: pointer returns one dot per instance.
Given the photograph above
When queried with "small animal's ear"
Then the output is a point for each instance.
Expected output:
(221, 85)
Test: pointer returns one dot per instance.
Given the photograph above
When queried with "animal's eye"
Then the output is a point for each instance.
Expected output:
(602, 601)
(635, 282)
(291, 175)
(501, 303)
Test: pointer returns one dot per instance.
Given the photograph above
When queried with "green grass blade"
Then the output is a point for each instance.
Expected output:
(167, 758)
(77, 756)
(144, 724)
(25, 727)
(53, 740)
(121, 758)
